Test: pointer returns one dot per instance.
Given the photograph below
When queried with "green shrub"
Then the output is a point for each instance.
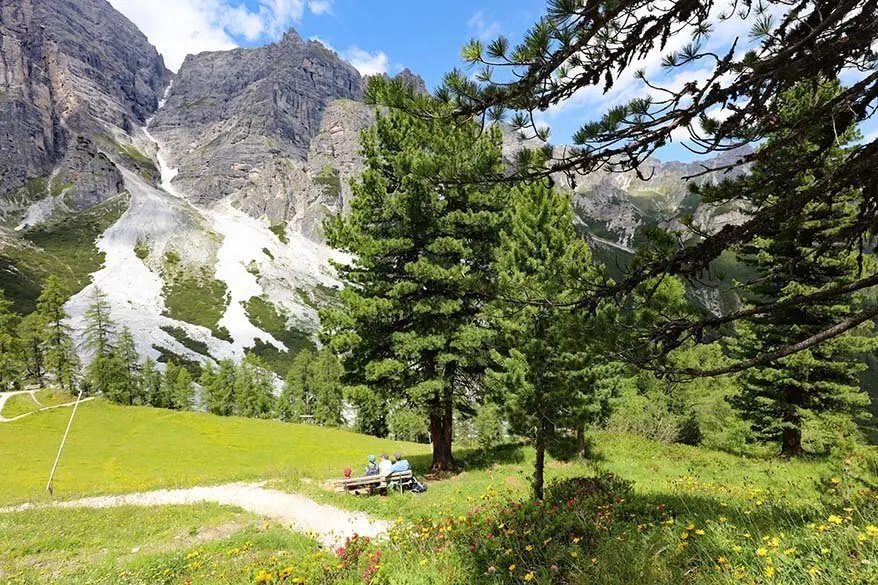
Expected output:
(539, 541)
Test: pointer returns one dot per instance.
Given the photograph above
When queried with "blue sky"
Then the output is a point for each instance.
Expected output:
(389, 35)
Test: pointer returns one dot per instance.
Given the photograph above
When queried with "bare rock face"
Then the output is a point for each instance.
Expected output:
(87, 176)
(241, 122)
(68, 68)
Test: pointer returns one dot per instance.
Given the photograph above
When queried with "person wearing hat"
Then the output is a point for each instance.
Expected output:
(372, 467)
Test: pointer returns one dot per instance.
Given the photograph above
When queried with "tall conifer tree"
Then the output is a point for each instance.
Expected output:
(407, 325)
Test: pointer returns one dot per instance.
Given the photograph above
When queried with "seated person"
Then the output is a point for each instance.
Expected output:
(347, 472)
(399, 464)
(372, 467)
(384, 465)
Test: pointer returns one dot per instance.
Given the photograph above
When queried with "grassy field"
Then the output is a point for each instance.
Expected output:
(115, 449)
(18, 405)
(689, 516)
(58, 544)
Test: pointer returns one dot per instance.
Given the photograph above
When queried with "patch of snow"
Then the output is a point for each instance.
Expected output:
(38, 213)
(133, 290)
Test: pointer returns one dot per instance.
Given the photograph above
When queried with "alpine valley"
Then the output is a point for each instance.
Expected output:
(195, 200)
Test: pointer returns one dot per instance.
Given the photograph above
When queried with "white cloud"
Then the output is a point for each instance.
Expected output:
(181, 27)
(320, 6)
(366, 63)
(483, 27)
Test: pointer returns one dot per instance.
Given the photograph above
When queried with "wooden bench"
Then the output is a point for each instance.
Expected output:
(400, 480)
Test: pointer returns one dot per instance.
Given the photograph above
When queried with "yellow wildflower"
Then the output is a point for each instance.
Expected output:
(790, 551)
(529, 576)
(690, 526)
(834, 519)
(769, 571)
(761, 552)
(529, 548)
(813, 571)
(699, 532)
(872, 530)
(264, 576)
(512, 568)
(836, 480)
(684, 535)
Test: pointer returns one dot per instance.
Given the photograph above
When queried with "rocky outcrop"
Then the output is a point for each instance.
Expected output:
(86, 176)
(241, 122)
(68, 68)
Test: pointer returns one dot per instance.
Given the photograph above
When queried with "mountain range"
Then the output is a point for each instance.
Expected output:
(194, 200)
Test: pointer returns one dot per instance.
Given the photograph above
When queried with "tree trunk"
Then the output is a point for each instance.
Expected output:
(791, 442)
(540, 463)
(580, 439)
(440, 436)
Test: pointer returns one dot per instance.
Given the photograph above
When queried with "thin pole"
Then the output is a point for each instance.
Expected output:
(63, 440)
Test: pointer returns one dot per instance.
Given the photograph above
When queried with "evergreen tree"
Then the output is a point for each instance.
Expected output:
(60, 358)
(165, 396)
(127, 356)
(253, 388)
(804, 254)
(100, 330)
(219, 387)
(182, 390)
(324, 379)
(151, 384)
(10, 362)
(542, 265)
(407, 325)
(32, 346)
(296, 399)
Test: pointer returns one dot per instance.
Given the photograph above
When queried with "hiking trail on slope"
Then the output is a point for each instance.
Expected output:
(327, 524)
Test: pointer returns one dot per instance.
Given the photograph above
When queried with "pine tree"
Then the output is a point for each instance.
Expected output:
(151, 383)
(324, 377)
(32, 346)
(296, 399)
(60, 357)
(219, 387)
(10, 362)
(165, 396)
(100, 330)
(182, 390)
(129, 360)
(542, 265)
(801, 255)
(407, 325)
(253, 388)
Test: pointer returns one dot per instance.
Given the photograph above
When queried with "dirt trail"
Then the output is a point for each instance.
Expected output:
(4, 396)
(327, 524)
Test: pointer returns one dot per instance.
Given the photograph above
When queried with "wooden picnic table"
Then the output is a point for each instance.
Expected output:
(400, 480)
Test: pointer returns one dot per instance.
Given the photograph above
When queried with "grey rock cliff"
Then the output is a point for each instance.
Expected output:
(68, 68)
(241, 122)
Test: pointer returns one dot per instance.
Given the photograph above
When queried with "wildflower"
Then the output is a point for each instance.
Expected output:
(529, 576)
(699, 532)
(834, 519)
(790, 551)
(492, 569)
(722, 560)
(690, 526)
(264, 576)
(684, 535)
(554, 568)
(872, 530)
(836, 480)
(529, 548)
(576, 539)
(761, 552)
(512, 568)
(574, 554)
(723, 519)
(769, 571)
(423, 562)
(812, 570)
(739, 574)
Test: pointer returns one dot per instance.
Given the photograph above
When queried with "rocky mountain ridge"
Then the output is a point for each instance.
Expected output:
(195, 201)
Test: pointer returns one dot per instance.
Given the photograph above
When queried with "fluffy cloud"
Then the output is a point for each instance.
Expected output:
(366, 63)
(181, 27)
(484, 27)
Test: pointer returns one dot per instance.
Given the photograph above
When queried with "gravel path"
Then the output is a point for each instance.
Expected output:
(4, 396)
(327, 524)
